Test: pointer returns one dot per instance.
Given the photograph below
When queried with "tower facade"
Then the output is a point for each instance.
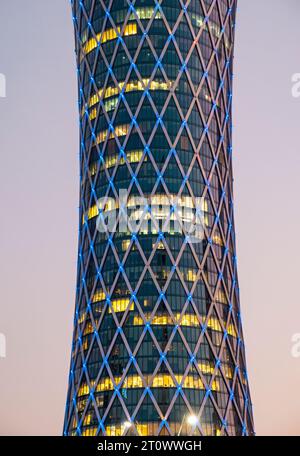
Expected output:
(158, 345)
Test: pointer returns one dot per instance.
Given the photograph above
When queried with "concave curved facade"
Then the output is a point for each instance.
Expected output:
(158, 345)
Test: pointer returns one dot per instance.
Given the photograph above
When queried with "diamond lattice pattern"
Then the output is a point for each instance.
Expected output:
(157, 329)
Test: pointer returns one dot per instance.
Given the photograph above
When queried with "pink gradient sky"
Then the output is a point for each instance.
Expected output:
(39, 199)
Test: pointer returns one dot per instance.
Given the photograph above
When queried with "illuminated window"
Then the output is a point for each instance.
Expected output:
(215, 386)
(221, 297)
(231, 330)
(145, 13)
(191, 275)
(93, 168)
(113, 91)
(89, 329)
(107, 35)
(92, 212)
(83, 390)
(87, 419)
(214, 324)
(90, 432)
(218, 240)
(120, 305)
(187, 320)
(228, 372)
(125, 245)
(215, 29)
(120, 130)
(160, 246)
(206, 368)
(134, 156)
(85, 344)
(142, 429)
(74, 422)
(82, 317)
(159, 381)
(81, 404)
(98, 296)
(115, 430)
(93, 114)
(164, 320)
(84, 36)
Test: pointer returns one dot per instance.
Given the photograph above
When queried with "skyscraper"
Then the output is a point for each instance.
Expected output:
(158, 346)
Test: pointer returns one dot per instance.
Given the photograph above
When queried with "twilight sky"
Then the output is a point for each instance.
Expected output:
(39, 200)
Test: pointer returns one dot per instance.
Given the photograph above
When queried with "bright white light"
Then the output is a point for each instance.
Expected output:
(127, 425)
(192, 420)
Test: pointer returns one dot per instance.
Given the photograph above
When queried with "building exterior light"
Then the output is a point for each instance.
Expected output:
(192, 420)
